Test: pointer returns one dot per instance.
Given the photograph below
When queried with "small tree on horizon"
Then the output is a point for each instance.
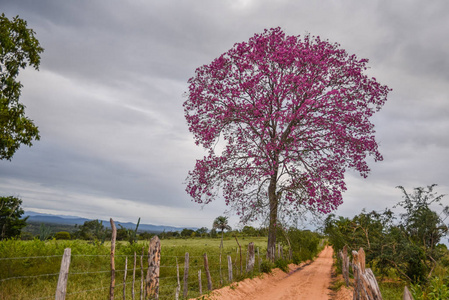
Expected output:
(292, 115)
(221, 223)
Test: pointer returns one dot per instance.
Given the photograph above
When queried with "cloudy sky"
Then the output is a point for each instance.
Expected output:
(109, 93)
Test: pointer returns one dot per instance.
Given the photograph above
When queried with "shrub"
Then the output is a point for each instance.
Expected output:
(62, 235)
(281, 264)
(266, 266)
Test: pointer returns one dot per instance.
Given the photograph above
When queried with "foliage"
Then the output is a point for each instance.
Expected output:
(145, 235)
(62, 235)
(90, 263)
(186, 232)
(250, 231)
(44, 232)
(33, 228)
(266, 266)
(408, 243)
(11, 223)
(221, 223)
(92, 230)
(293, 115)
(18, 49)
(125, 234)
(304, 243)
(281, 264)
(202, 231)
(438, 288)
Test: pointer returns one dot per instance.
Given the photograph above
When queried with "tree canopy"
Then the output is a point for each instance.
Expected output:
(292, 115)
(221, 223)
(18, 49)
(11, 222)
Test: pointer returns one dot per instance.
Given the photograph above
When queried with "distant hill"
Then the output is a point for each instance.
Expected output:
(34, 217)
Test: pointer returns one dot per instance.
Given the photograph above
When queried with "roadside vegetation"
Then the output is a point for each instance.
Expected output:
(29, 268)
(403, 248)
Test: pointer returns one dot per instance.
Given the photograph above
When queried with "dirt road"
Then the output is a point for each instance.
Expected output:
(307, 281)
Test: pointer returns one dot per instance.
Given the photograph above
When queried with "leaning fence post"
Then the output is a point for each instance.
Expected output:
(61, 289)
(114, 236)
(206, 268)
(154, 260)
(186, 273)
(240, 250)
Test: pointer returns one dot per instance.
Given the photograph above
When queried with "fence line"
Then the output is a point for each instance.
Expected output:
(365, 283)
(168, 283)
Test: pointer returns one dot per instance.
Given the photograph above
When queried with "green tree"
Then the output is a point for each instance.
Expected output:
(202, 231)
(249, 231)
(186, 232)
(18, 49)
(44, 232)
(423, 228)
(128, 234)
(62, 235)
(221, 223)
(11, 223)
(408, 243)
(92, 230)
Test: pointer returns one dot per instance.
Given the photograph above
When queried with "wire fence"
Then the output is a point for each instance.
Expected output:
(89, 275)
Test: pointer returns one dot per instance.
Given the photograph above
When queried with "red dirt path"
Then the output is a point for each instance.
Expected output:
(306, 281)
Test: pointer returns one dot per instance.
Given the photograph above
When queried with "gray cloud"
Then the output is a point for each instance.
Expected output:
(108, 98)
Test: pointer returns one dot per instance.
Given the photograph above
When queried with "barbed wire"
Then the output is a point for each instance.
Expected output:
(29, 257)
(195, 264)
(28, 276)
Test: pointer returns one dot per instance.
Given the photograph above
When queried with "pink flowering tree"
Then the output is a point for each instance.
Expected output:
(282, 118)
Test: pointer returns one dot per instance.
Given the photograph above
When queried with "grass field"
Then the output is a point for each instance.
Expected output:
(29, 269)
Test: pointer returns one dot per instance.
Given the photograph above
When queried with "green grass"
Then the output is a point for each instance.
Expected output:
(29, 269)
(391, 290)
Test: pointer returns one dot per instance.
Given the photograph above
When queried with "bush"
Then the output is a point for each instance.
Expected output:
(266, 266)
(62, 235)
(296, 258)
(281, 264)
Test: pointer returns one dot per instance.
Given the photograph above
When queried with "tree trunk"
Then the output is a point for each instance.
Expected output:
(273, 198)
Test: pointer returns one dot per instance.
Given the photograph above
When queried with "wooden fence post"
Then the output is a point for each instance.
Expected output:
(206, 268)
(251, 258)
(407, 295)
(345, 264)
(134, 275)
(240, 250)
(154, 261)
(61, 289)
(229, 268)
(114, 236)
(124, 277)
(365, 284)
(199, 282)
(141, 275)
(178, 287)
(186, 274)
